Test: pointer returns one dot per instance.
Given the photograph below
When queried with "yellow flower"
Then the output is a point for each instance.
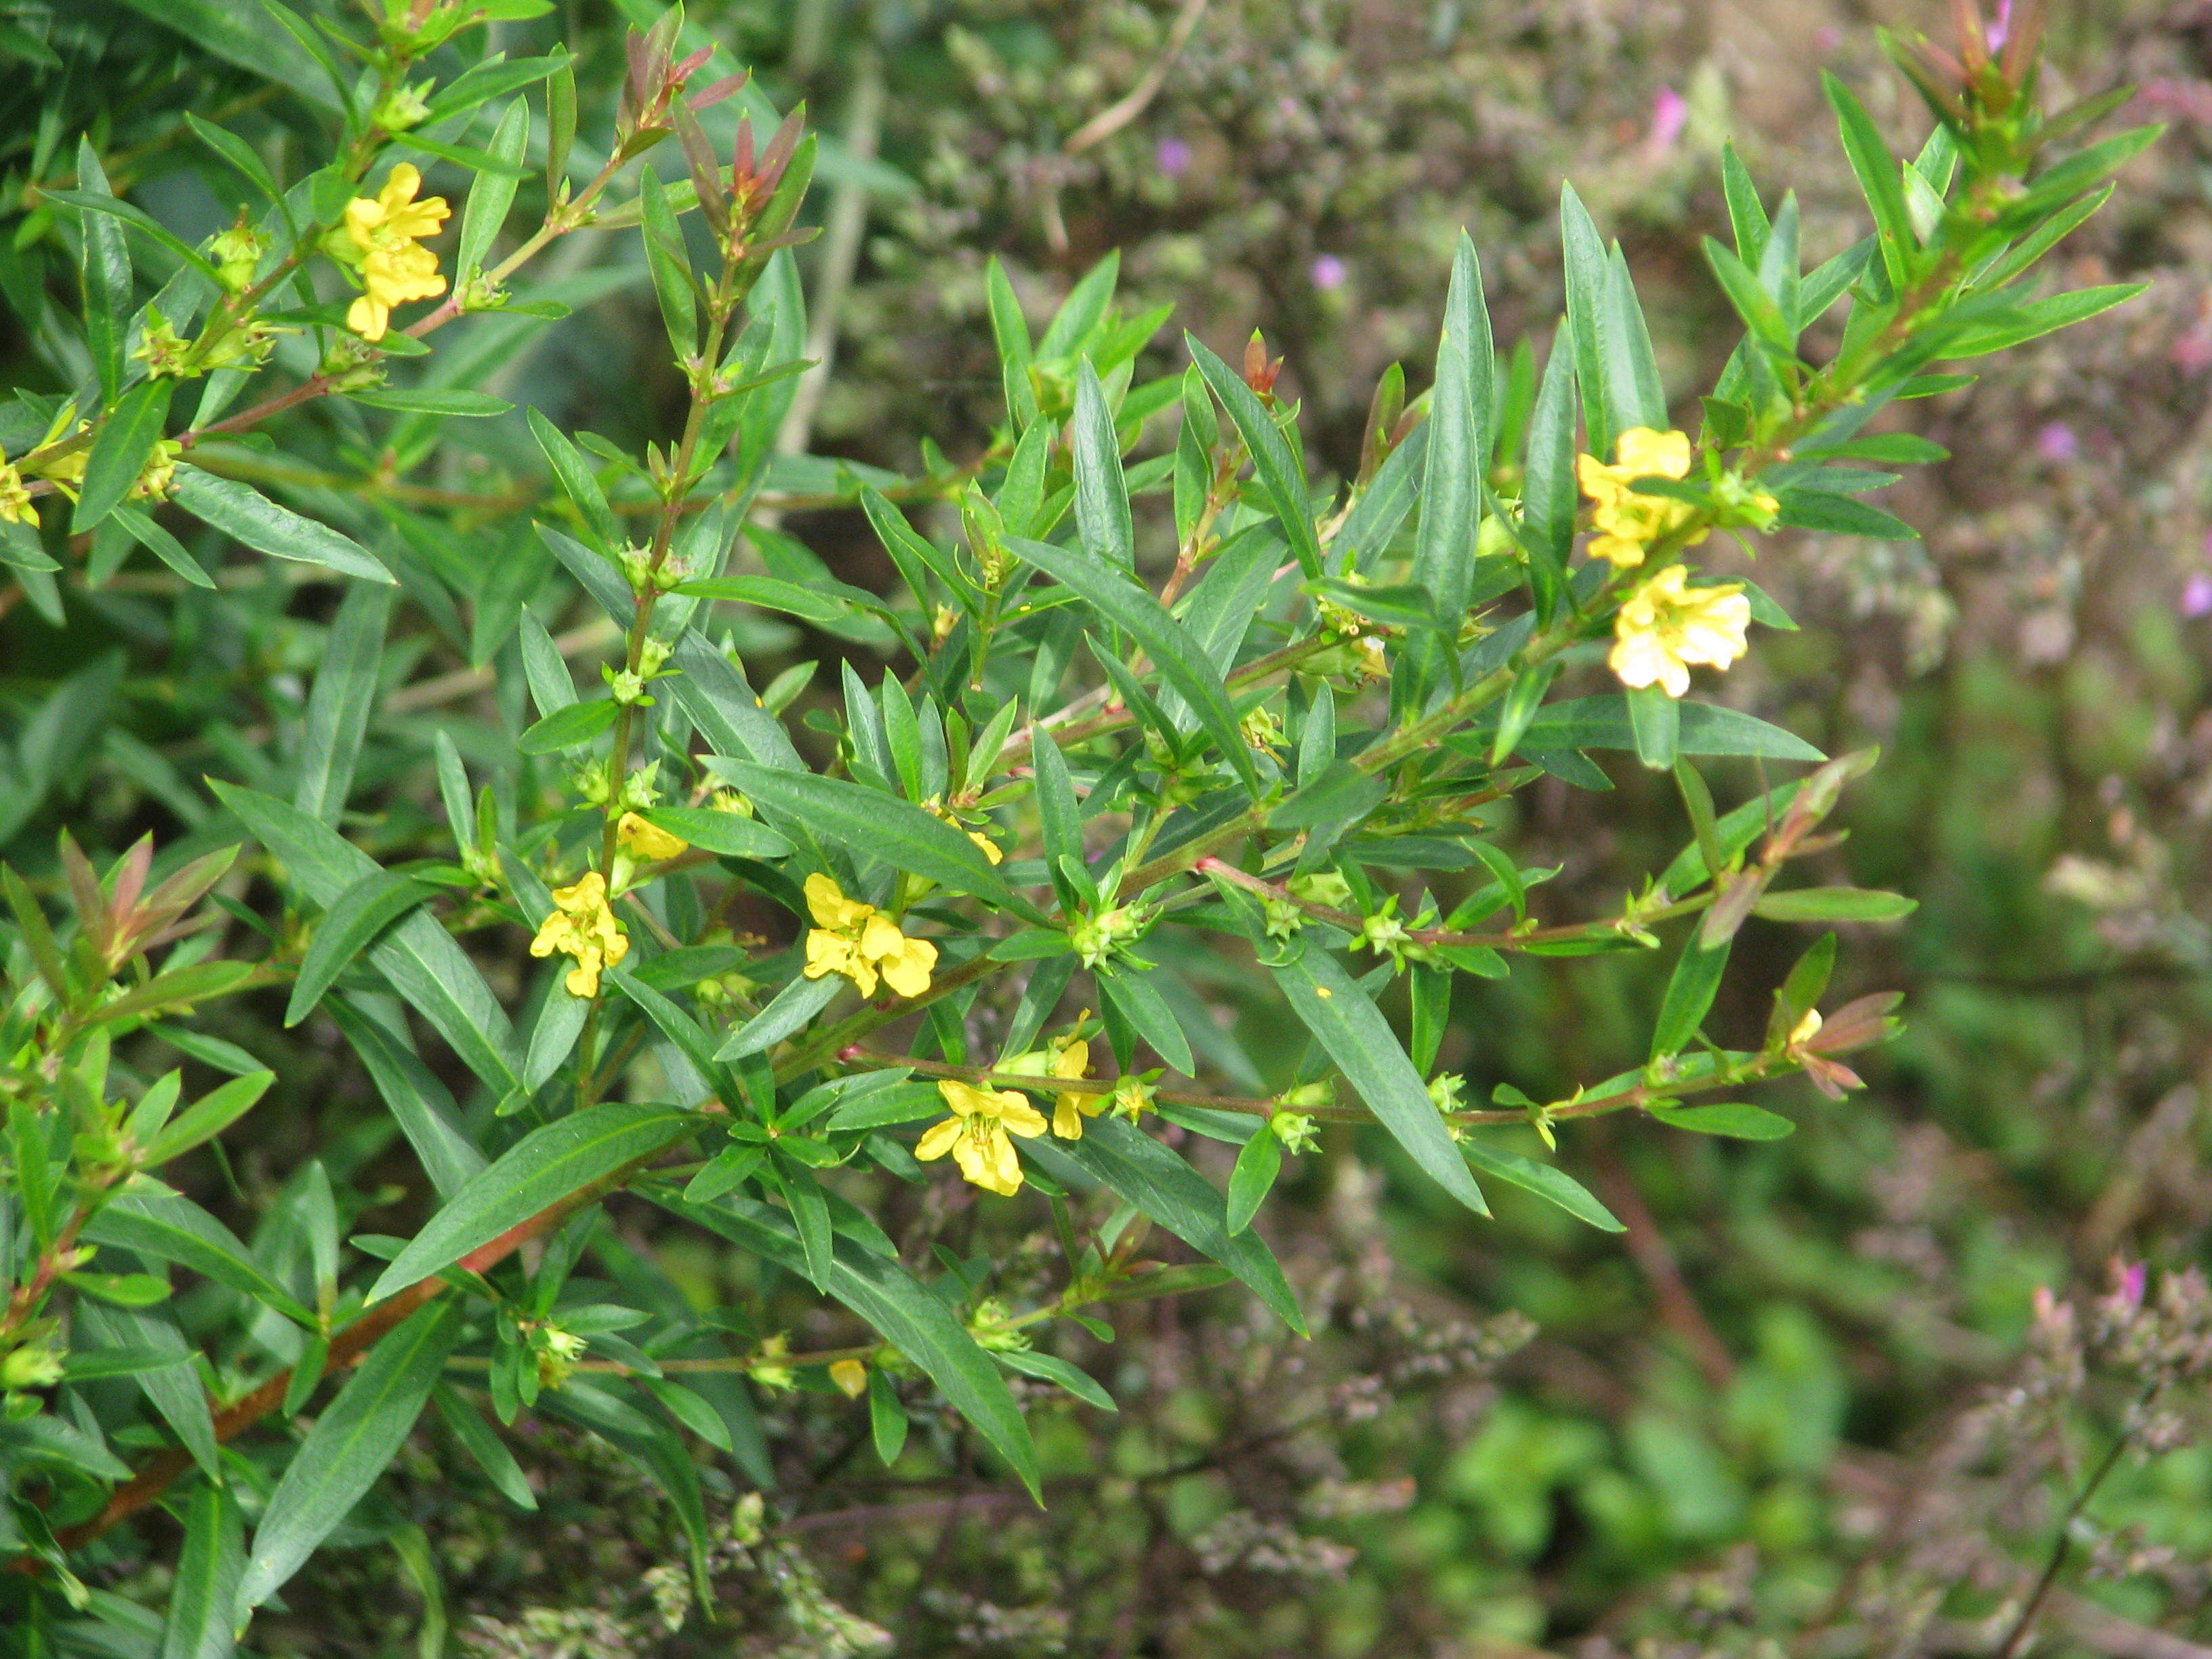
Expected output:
(977, 1134)
(383, 231)
(860, 942)
(647, 840)
(14, 500)
(1072, 1106)
(1626, 522)
(1665, 626)
(851, 1377)
(583, 927)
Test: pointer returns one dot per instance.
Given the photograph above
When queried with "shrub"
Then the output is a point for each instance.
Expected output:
(1184, 783)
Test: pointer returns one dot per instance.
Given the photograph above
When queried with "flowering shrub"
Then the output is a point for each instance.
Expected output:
(1144, 729)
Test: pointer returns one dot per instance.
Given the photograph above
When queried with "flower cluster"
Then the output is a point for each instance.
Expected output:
(382, 241)
(1666, 625)
(1627, 522)
(583, 927)
(862, 943)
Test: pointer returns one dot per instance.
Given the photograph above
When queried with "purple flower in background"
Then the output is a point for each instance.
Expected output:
(2196, 595)
(2133, 1279)
(1670, 113)
(1171, 156)
(2054, 442)
(1329, 272)
(2003, 28)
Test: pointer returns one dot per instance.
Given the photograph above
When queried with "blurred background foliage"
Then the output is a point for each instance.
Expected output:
(1812, 1394)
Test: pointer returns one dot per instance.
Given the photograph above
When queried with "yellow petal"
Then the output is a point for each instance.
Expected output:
(1645, 453)
(990, 848)
(938, 1139)
(1006, 1170)
(369, 317)
(648, 841)
(880, 937)
(586, 893)
(1067, 1119)
(1020, 1117)
(967, 1099)
(831, 906)
(1073, 1060)
(908, 973)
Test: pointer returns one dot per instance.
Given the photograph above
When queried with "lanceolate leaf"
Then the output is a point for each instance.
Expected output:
(240, 511)
(425, 1111)
(121, 450)
(356, 917)
(351, 1445)
(174, 1229)
(890, 1298)
(1554, 1186)
(202, 1621)
(565, 1156)
(417, 956)
(1179, 659)
(340, 705)
(1127, 1161)
(1602, 722)
(1280, 471)
(1102, 494)
(879, 825)
(1451, 491)
(1354, 1035)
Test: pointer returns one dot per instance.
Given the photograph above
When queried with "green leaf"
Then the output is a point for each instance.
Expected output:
(207, 1117)
(124, 1290)
(1820, 510)
(411, 400)
(202, 1621)
(1012, 332)
(1126, 1161)
(825, 602)
(1689, 991)
(1834, 905)
(245, 514)
(1355, 1036)
(1133, 996)
(1761, 315)
(1249, 1182)
(174, 1229)
(1609, 391)
(588, 1150)
(1451, 486)
(671, 267)
(1181, 661)
(887, 1424)
(878, 825)
(1278, 466)
(350, 1445)
(577, 480)
(1554, 1186)
(1051, 1369)
(241, 157)
(120, 451)
(1549, 493)
(2036, 318)
(1520, 706)
(356, 917)
(417, 956)
(1736, 1121)
(420, 1103)
(729, 835)
(339, 707)
(1102, 494)
(1602, 722)
(482, 1442)
(162, 544)
(175, 1389)
(105, 268)
(1878, 178)
(571, 727)
(1654, 721)
(917, 1324)
(1748, 217)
